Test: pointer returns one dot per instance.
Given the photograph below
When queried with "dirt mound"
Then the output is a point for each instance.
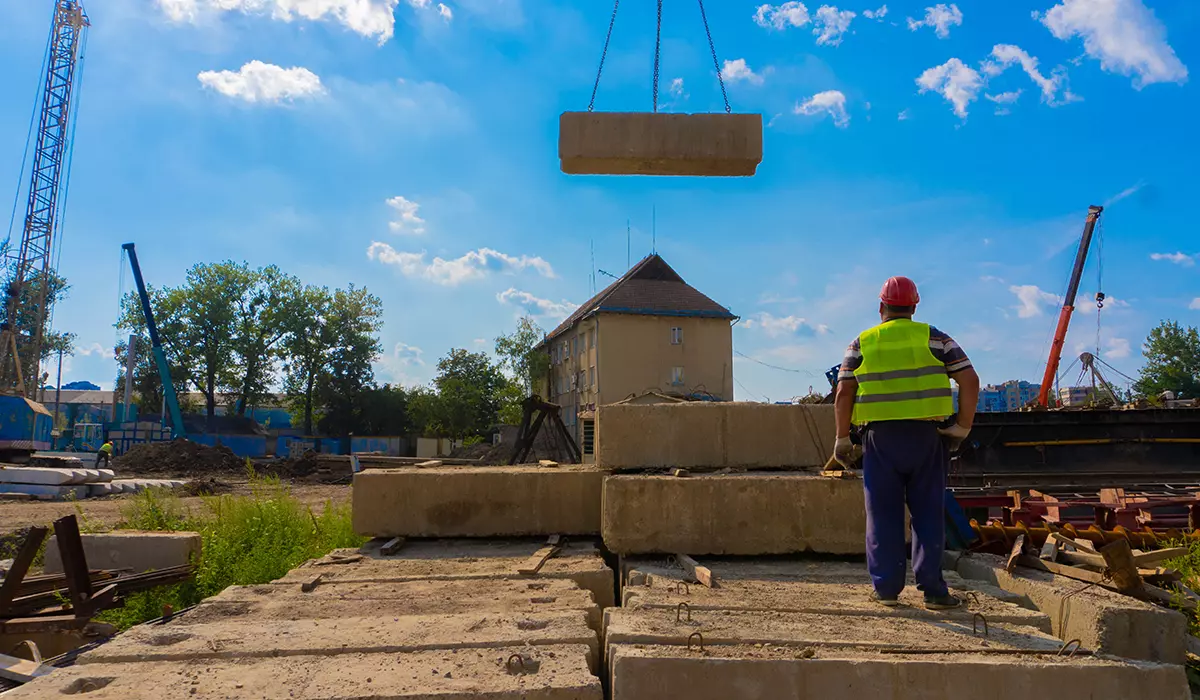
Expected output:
(306, 464)
(476, 451)
(205, 486)
(179, 457)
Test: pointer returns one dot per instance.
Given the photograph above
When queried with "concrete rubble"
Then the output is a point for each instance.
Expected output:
(134, 550)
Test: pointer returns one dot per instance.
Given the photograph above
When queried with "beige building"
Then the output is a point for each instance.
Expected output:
(649, 331)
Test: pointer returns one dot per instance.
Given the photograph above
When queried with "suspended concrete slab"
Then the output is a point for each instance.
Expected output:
(655, 143)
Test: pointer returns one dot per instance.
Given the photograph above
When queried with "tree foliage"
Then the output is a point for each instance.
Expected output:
(1172, 355)
(351, 331)
(56, 289)
(518, 354)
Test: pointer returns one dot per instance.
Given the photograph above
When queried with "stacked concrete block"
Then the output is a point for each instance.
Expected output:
(477, 501)
(446, 619)
(131, 550)
(639, 143)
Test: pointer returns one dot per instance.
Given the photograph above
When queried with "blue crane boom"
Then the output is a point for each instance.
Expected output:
(160, 357)
(23, 328)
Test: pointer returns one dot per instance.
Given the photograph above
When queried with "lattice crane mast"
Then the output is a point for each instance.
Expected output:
(29, 264)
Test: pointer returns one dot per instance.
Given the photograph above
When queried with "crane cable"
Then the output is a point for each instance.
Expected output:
(33, 118)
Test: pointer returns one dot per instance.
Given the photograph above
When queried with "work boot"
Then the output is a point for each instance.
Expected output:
(887, 602)
(942, 602)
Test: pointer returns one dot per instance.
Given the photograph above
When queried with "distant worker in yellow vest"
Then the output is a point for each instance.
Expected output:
(894, 384)
(104, 453)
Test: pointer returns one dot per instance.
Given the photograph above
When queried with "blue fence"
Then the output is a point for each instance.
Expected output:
(242, 445)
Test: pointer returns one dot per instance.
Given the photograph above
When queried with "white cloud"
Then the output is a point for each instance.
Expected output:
(876, 15)
(957, 82)
(1004, 98)
(940, 17)
(675, 89)
(535, 305)
(1118, 348)
(1031, 299)
(474, 264)
(1005, 55)
(92, 349)
(778, 325)
(446, 13)
(1124, 35)
(793, 14)
(1178, 257)
(830, 24)
(370, 18)
(408, 221)
(1127, 192)
(263, 82)
(903, 115)
(737, 69)
(408, 354)
(832, 102)
(1195, 305)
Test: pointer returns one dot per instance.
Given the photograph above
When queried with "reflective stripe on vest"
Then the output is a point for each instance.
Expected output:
(900, 379)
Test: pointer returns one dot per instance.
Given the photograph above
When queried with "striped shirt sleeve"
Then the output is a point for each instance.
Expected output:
(851, 361)
(945, 349)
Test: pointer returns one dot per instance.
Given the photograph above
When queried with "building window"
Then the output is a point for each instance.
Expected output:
(589, 436)
(582, 379)
(591, 339)
(592, 376)
(676, 336)
(677, 376)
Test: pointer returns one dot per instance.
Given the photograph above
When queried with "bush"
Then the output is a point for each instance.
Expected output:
(246, 540)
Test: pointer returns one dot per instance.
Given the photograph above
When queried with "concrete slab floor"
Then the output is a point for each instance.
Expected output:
(397, 599)
(450, 559)
(477, 501)
(790, 585)
(1103, 620)
(237, 638)
(749, 673)
(479, 674)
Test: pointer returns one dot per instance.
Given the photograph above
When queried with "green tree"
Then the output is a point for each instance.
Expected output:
(1172, 355)
(425, 411)
(352, 329)
(469, 387)
(53, 341)
(269, 299)
(511, 395)
(385, 411)
(208, 314)
(166, 305)
(518, 355)
(305, 359)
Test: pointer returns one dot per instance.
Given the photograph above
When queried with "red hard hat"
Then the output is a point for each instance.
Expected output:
(899, 291)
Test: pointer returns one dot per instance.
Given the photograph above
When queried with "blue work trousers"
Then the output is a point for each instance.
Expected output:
(905, 462)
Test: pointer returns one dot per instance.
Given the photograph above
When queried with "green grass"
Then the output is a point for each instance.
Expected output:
(246, 540)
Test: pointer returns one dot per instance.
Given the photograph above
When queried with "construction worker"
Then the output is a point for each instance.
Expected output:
(105, 453)
(894, 384)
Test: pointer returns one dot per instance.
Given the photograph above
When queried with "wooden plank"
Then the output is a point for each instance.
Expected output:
(428, 463)
(1067, 543)
(391, 546)
(1017, 548)
(534, 563)
(74, 560)
(547, 463)
(1086, 545)
(42, 623)
(1149, 558)
(311, 584)
(1063, 570)
(21, 670)
(1049, 550)
(1158, 595)
(702, 573)
(1119, 557)
(1082, 559)
(680, 473)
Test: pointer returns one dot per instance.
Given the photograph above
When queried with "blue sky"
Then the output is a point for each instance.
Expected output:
(411, 146)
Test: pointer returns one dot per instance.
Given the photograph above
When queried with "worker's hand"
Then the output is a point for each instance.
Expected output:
(843, 452)
(954, 434)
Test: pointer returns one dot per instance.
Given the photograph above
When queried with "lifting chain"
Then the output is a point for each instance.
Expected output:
(657, 51)
(658, 54)
(604, 54)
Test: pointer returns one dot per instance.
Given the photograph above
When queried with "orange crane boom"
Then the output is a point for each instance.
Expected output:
(1064, 316)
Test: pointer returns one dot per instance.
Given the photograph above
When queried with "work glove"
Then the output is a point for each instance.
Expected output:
(843, 452)
(954, 435)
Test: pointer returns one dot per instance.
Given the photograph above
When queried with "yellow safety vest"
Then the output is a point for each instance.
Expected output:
(900, 379)
(106, 448)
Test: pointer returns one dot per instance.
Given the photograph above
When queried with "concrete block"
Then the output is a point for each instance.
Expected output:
(561, 674)
(734, 514)
(242, 639)
(136, 550)
(724, 673)
(477, 561)
(1103, 620)
(703, 435)
(643, 143)
(477, 501)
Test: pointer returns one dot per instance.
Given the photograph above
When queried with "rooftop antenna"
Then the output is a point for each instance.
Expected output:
(628, 261)
(653, 230)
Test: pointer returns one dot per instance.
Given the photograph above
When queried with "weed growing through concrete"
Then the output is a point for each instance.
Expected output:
(246, 540)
